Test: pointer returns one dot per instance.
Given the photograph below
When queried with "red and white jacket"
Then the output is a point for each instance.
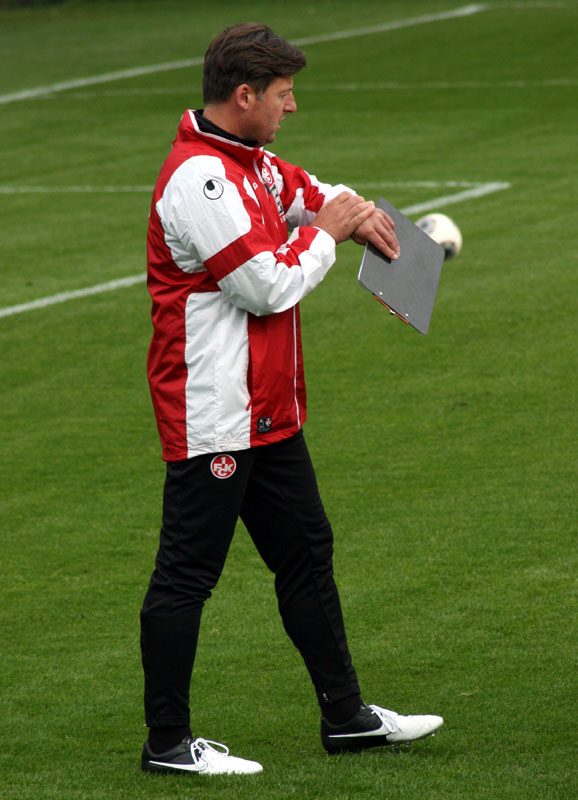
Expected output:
(225, 364)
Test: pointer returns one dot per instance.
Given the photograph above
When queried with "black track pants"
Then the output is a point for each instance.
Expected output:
(274, 490)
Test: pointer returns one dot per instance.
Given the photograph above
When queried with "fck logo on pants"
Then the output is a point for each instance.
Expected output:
(223, 466)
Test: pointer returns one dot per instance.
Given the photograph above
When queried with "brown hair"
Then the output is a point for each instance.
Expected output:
(247, 53)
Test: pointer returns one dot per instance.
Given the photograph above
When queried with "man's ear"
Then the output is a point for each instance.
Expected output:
(243, 95)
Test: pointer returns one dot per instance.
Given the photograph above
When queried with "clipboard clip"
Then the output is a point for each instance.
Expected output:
(391, 311)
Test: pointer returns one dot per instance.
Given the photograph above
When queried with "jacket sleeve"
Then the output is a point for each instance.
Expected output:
(271, 282)
(302, 194)
(211, 224)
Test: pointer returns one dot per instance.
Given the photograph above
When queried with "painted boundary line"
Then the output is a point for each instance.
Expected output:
(473, 185)
(424, 19)
(75, 189)
(62, 297)
(42, 91)
(475, 190)
(387, 86)
(79, 83)
(441, 85)
(450, 199)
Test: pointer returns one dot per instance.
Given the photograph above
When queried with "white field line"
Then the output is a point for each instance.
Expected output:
(436, 85)
(424, 19)
(62, 297)
(41, 91)
(450, 199)
(428, 184)
(74, 189)
(525, 6)
(476, 185)
(78, 83)
(392, 86)
(474, 190)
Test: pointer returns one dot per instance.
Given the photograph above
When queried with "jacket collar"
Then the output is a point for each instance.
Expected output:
(241, 150)
(206, 126)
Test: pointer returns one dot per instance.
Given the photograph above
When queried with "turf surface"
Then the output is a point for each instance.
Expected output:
(447, 463)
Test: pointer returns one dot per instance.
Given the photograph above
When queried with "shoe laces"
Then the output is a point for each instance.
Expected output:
(203, 748)
(386, 716)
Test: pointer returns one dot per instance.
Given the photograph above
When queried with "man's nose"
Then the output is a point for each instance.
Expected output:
(290, 105)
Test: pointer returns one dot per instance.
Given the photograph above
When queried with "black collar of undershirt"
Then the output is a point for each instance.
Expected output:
(206, 126)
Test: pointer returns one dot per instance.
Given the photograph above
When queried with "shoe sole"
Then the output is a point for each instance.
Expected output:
(165, 769)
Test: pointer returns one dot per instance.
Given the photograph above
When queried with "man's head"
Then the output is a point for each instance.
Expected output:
(247, 53)
(248, 81)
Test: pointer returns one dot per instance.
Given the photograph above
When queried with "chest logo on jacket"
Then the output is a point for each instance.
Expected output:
(267, 177)
(271, 187)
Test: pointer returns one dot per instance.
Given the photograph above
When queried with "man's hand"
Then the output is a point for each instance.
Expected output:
(343, 215)
(379, 230)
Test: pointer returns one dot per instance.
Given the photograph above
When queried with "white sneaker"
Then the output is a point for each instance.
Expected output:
(200, 756)
(373, 726)
(408, 728)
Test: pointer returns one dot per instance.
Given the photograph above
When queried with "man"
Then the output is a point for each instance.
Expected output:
(237, 237)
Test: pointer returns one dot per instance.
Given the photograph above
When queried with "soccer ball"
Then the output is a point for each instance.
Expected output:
(444, 231)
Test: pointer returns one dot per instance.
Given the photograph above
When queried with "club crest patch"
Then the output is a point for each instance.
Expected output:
(264, 424)
(267, 176)
(223, 466)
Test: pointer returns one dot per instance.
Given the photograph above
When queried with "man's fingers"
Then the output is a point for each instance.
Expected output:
(388, 237)
(348, 199)
(343, 214)
(379, 230)
(387, 242)
(362, 212)
(388, 220)
(386, 247)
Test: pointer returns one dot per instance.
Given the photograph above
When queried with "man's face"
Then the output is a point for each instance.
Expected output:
(269, 109)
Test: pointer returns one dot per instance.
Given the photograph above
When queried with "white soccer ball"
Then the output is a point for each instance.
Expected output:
(444, 231)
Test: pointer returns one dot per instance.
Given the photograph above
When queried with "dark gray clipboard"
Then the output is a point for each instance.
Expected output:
(408, 284)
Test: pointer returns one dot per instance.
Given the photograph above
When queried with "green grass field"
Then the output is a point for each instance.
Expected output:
(447, 463)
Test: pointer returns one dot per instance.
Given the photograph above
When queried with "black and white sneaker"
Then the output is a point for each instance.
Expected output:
(199, 756)
(373, 726)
